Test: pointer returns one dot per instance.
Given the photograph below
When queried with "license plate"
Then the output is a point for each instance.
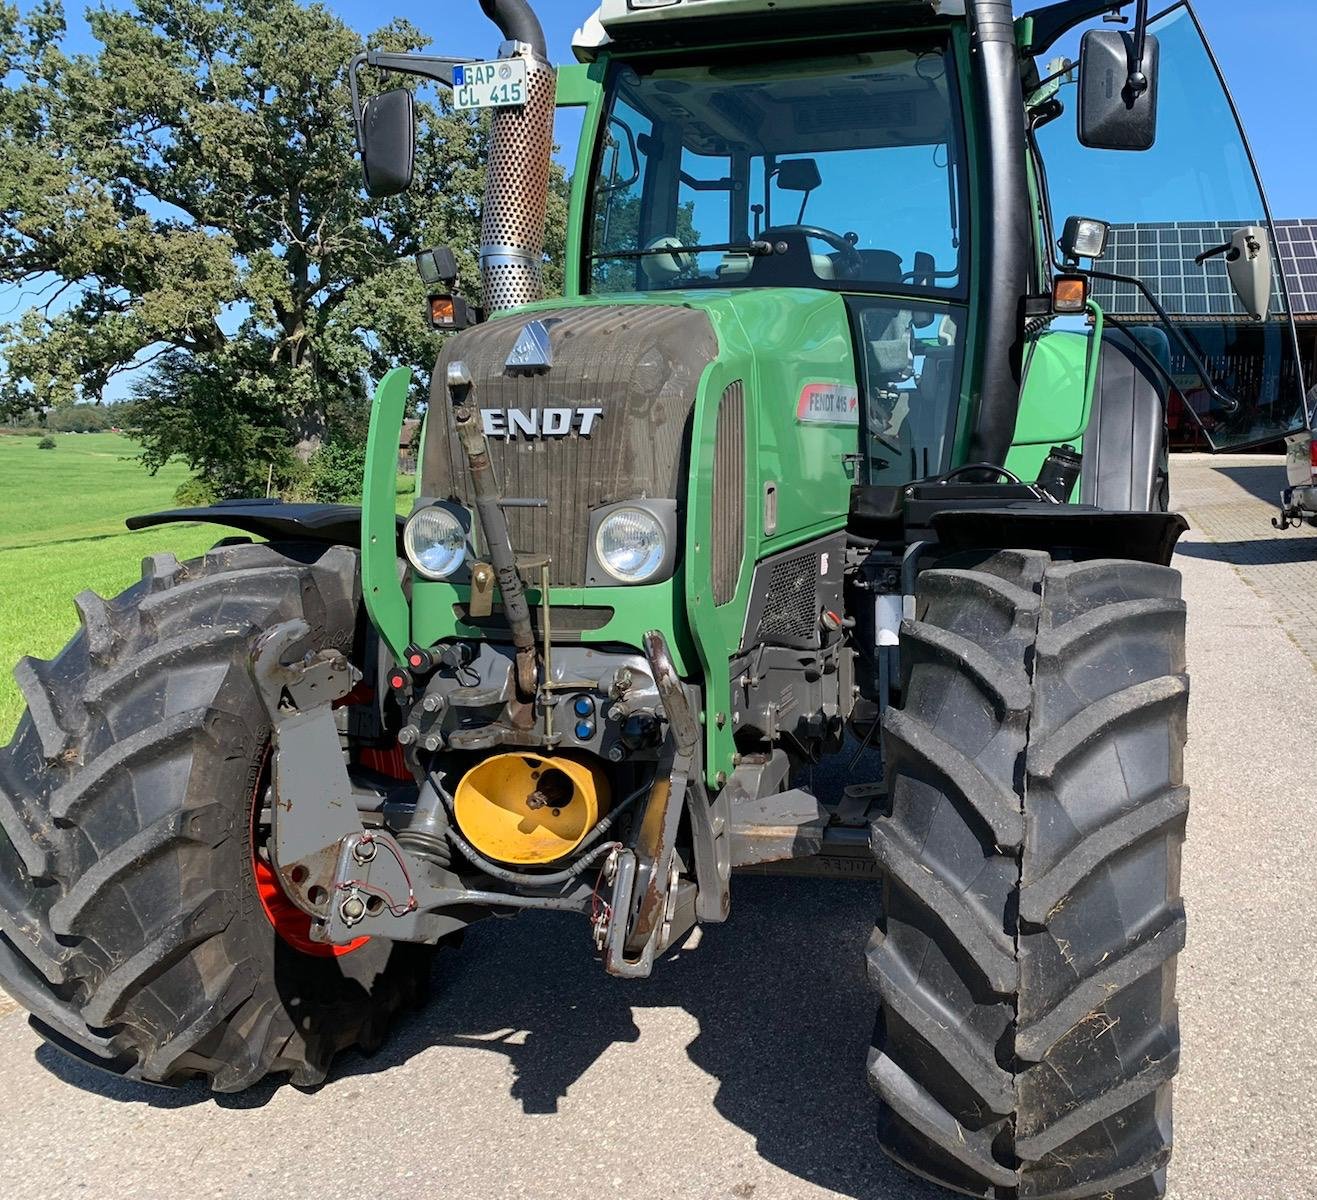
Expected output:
(499, 84)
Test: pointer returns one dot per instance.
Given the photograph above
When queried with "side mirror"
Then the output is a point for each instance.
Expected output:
(798, 175)
(1248, 263)
(1117, 92)
(388, 142)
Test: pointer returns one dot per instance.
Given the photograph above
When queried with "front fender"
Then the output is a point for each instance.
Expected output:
(1075, 530)
(334, 524)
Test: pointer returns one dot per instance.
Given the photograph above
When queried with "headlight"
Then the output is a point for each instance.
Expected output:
(435, 542)
(630, 544)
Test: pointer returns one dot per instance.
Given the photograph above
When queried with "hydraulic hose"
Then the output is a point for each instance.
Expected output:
(494, 526)
(517, 22)
(999, 96)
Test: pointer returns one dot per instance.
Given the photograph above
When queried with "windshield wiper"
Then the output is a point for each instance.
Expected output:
(754, 249)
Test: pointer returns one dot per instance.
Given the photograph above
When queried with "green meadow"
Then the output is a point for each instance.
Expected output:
(61, 530)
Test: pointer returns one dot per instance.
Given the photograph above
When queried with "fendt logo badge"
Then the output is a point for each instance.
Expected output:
(533, 352)
(533, 355)
(539, 422)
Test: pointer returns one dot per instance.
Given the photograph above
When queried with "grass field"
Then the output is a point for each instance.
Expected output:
(61, 530)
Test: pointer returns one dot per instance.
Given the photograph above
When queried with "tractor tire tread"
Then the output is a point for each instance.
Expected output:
(1051, 698)
(130, 927)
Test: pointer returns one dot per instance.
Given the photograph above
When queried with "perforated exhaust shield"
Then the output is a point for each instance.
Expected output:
(517, 193)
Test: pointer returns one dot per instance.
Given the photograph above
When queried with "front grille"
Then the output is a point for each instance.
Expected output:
(791, 604)
(640, 364)
(729, 494)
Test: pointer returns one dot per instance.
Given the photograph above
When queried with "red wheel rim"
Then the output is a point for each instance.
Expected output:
(291, 924)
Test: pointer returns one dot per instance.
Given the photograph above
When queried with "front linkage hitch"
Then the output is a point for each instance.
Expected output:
(355, 878)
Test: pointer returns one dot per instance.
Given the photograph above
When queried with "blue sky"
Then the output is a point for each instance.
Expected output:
(1267, 50)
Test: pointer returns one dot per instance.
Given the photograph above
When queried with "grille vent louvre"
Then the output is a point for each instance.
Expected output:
(729, 494)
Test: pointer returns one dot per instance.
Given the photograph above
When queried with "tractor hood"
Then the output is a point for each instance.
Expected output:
(686, 399)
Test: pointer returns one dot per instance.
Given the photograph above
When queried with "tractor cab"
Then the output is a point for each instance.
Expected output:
(843, 172)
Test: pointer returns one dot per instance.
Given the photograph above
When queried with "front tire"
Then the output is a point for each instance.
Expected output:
(133, 923)
(1025, 958)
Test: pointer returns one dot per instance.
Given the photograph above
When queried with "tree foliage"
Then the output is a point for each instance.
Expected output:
(188, 196)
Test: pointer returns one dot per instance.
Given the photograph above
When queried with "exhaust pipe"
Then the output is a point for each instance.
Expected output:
(996, 68)
(517, 174)
(517, 22)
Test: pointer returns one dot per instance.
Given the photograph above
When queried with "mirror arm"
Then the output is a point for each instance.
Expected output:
(1228, 250)
(1051, 24)
(428, 66)
(434, 67)
(1229, 402)
(1138, 80)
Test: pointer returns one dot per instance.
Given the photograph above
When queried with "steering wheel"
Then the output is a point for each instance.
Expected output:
(851, 263)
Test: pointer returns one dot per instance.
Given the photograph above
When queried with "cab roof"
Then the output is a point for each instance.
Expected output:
(658, 24)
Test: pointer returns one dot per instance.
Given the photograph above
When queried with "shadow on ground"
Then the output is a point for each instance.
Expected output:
(1267, 549)
(779, 993)
(1260, 482)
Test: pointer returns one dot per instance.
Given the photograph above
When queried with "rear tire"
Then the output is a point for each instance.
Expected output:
(130, 921)
(1025, 958)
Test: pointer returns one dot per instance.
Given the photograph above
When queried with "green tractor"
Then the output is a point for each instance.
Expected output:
(837, 442)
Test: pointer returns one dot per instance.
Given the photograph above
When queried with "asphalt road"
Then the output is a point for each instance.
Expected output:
(737, 1071)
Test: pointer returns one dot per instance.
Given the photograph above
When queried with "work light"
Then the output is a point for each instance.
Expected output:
(1084, 237)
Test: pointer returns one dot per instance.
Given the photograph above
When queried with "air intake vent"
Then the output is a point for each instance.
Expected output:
(791, 604)
(729, 494)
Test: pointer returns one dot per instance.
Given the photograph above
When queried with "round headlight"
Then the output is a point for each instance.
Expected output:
(435, 542)
(630, 544)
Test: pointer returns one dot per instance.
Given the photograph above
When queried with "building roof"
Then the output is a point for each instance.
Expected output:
(1162, 255)
(1298, 256)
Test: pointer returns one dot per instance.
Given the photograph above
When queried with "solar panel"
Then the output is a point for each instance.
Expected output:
(1162, 255)
(1297, 246)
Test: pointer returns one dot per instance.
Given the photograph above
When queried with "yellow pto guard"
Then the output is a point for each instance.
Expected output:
(526, 809)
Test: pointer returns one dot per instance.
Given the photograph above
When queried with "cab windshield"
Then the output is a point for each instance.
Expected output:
(840, 173)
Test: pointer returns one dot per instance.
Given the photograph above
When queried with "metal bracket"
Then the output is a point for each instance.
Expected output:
(352, 880)
(640, 912)
(673, 902)
(481, 603)
(377, 894)
(710, 816)
(314, 808)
